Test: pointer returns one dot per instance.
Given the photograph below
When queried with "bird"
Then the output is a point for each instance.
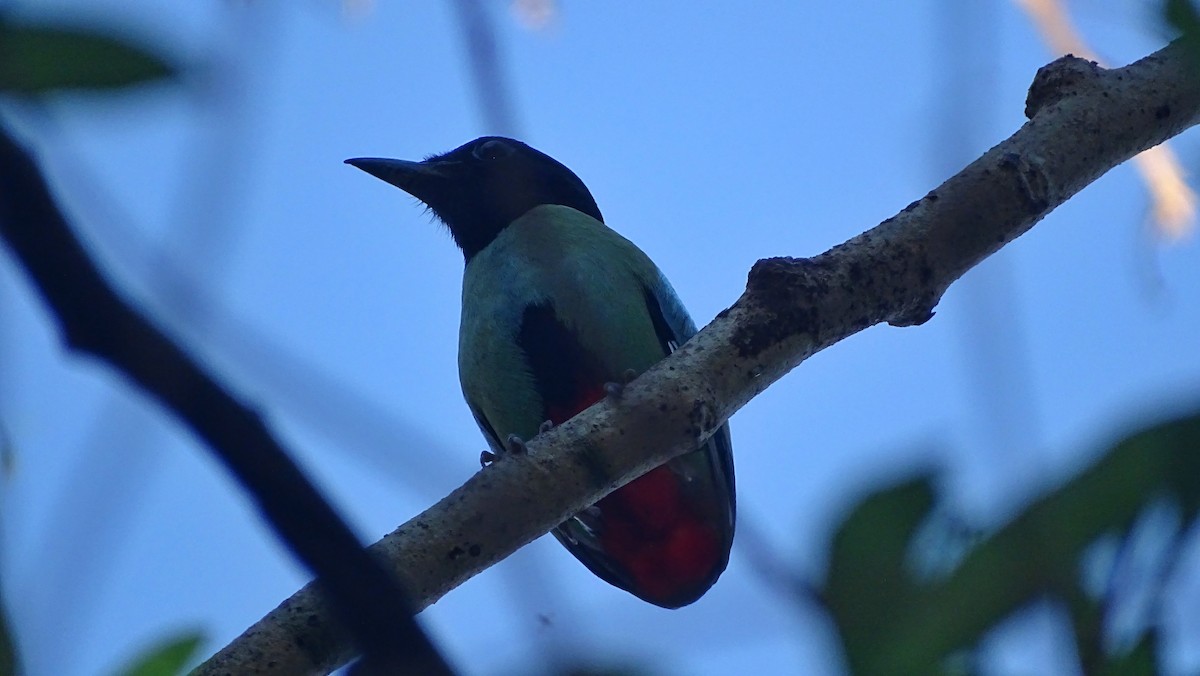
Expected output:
(558, 309)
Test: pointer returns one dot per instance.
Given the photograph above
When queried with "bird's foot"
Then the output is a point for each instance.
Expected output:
(615, 390)
(546, 426)
(513, 445)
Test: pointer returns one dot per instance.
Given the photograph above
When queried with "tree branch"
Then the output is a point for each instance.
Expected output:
(95, 320)
(1084, 120)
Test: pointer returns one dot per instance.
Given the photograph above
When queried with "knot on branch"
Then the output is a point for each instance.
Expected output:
(781, 280)
(783, 292)
(703, 417)
(1032, 182)
(916, 315)
(1062, 78)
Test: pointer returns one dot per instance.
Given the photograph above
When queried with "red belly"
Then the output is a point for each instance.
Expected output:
(650, 528)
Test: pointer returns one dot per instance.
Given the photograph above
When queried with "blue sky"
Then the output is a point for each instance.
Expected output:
(711, 137)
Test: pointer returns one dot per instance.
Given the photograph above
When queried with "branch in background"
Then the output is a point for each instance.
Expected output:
(367, 601)
(1084, 120)
(483, 55)
(535, 14)
(1174, 203)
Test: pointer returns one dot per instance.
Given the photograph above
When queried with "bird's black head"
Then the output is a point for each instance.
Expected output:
(480, 187)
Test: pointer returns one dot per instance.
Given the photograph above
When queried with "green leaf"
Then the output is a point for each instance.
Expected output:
(168, 658)
(1183, 17)
(891, 623)
(1141, 661)
(40, 59)
(1087, 623)
(868, 555)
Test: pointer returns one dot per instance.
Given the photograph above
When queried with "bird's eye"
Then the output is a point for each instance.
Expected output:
(492, 150)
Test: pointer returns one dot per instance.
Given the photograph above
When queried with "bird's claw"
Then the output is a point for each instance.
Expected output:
(615, 390)
(515, 445)
(546, 426)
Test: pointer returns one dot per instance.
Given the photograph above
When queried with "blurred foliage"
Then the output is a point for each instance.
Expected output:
(588, 665)
(43, 59)
(9, 659)
(597, 669)
(1141, 661)
(1183, 17)
(893, 622)
(9, 662)
(167, 658)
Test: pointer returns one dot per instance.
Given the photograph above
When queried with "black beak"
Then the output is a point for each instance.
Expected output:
(415, 178)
